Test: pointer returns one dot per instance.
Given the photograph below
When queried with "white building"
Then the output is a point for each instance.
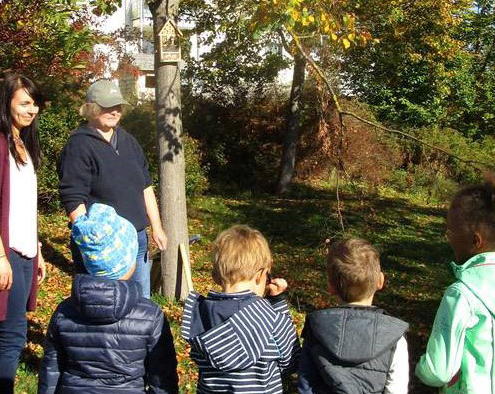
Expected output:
(135, 16)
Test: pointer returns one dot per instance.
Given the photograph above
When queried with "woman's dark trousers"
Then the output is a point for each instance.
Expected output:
(13, 330)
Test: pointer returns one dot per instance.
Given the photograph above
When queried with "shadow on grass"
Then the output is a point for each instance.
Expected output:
(29, 357)
(409, 235)
(56, 257)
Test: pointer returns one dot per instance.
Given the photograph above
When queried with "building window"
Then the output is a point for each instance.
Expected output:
(150, 81)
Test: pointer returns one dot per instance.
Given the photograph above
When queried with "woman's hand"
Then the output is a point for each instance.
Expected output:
(159, 237)
(41, 268)
(5, 274)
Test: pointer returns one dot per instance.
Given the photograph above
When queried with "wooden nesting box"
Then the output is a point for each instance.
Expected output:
(169, 40)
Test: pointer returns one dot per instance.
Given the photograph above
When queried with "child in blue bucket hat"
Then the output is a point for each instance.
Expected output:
(106, 336)
(107, 241)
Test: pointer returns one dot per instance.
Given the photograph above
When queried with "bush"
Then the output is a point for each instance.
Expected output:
(479, 151)
(56, 123)
(196, 181)
(366, 154)
(424, 181)
(376, 157)
(452, 141)
(140, 122)
(241, 143)
(436, 173)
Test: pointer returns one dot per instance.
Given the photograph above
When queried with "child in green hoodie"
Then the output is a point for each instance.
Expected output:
(461, 349)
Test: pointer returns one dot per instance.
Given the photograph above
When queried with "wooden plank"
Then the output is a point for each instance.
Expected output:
(186, 267)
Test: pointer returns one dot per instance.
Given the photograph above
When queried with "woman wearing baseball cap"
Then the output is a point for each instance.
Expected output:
(103, 163)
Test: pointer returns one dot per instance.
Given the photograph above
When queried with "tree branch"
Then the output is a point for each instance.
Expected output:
(341, 112)
(317, 69)
(406, 135)
(285, 44)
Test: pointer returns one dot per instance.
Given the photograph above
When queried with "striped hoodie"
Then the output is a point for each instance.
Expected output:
(242, 343)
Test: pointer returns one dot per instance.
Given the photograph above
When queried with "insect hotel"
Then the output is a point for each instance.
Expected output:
(169, 47)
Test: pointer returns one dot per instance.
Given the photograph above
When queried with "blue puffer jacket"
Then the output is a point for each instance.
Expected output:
(106, 338)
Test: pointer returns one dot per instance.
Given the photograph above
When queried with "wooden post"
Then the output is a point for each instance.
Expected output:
(172, 192)
(186, 265)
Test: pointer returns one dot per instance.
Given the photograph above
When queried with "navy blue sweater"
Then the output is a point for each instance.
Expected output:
(91, 170)
(242, 343)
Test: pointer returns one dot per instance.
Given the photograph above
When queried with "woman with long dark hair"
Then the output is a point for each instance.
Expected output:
(22, 267)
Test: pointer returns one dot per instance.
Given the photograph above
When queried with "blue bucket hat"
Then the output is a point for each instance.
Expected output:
(107, 241)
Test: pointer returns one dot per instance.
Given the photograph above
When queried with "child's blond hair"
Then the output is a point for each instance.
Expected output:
(239, 253)
(353, 269)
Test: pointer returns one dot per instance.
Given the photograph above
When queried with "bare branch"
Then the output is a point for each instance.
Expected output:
(317, 69)
(285, 44)
(324, 79)
(473, 163)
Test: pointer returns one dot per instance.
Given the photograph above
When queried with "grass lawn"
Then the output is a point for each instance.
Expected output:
(408, 232)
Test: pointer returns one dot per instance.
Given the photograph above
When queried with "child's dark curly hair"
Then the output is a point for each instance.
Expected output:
(475, 206)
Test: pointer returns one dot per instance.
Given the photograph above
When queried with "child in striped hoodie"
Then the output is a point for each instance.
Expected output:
(243, 338)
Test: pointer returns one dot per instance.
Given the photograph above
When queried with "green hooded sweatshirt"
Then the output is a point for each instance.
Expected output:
(460, 353)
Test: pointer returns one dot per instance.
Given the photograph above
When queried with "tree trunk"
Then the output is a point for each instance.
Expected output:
(172, 191)
(293, 125)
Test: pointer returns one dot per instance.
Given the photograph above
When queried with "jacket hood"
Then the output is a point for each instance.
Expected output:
(355, 335)
(216, 308)
(104, 301)
(216, 328)
(477, 274)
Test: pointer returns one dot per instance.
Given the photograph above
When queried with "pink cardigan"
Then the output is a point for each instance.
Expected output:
(4, 228)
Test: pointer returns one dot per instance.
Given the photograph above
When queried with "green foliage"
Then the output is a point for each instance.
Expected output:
(475, 115)
(105, 7)
(56, 123)
(456, 143)
(43, 38)
(432, 173)
(425, 182)
(52, 41)
(409, 71)
(140, 121)
(196, 180)
(238, 64)
(241, 143)
(27, 381)
(432, 63)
